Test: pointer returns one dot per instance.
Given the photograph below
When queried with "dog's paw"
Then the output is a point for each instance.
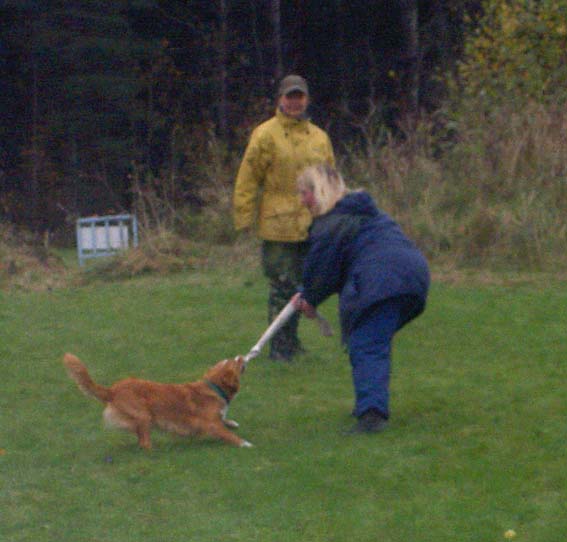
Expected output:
(246, 444)
(231, 423)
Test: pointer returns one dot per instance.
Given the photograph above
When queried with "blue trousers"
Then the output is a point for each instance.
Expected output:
(370, 349)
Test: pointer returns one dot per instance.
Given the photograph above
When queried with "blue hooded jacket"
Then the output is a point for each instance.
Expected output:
(359, 252)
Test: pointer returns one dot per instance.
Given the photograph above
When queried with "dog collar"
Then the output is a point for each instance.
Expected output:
(219, 391)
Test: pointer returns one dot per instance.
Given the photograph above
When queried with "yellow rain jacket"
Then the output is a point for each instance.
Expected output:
(265, 193)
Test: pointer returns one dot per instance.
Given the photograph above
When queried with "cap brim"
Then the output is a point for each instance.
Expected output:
(295, 88)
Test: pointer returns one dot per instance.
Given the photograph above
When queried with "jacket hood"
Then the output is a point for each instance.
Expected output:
(359, 203)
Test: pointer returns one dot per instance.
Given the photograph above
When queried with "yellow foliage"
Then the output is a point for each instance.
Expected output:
(518, 50)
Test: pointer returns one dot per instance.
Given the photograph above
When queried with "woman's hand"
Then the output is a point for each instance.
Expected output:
(301, 305)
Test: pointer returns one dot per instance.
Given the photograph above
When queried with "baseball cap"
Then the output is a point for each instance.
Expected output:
(293, 83)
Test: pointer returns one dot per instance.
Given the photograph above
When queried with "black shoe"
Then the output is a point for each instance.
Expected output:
(372, 421)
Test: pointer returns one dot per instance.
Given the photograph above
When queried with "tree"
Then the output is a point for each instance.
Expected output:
(90, 87)
(275, 13)
(410, 57)
(78, 64)
(24, 58)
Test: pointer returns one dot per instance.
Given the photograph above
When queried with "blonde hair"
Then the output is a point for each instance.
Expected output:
(327, 185)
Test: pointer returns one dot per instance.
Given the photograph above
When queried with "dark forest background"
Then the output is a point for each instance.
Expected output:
(100, 96)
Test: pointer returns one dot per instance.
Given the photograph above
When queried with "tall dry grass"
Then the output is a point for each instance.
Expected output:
(491, 192)
(485, 189)
(27, 262)
(174, 235)
(481, 189)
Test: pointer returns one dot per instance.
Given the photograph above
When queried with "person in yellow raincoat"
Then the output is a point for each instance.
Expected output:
(266, 199)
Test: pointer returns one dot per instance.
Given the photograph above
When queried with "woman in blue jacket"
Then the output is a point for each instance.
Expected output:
(382, 280)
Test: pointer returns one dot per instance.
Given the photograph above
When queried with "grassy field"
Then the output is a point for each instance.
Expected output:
(476, 444)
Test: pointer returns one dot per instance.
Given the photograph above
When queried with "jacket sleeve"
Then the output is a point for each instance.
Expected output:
(327, 260)
(249, 180)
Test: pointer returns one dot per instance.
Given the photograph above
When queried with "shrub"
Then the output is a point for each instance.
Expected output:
(517, 50)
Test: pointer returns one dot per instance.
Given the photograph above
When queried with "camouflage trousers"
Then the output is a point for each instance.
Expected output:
(283, 266)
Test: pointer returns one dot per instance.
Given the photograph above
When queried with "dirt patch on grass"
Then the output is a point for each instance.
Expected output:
(167, 253)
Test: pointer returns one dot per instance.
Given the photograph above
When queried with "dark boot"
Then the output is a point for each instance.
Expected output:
(371, 421)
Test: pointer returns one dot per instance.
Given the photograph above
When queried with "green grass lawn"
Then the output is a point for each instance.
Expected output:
(476, 445)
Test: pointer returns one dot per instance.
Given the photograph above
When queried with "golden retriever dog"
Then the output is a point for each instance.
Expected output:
(195, 408)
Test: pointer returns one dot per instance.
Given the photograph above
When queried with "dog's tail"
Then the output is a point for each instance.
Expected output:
(78, 372)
